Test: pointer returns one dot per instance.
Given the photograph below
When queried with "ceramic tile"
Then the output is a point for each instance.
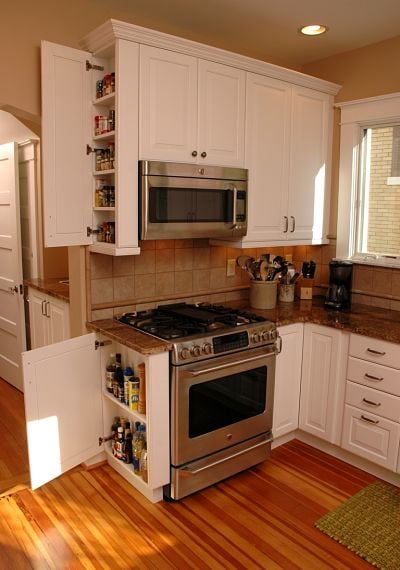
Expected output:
(101, 266)
(124, 288)
(396, 283)
(165, 283)
(362, 278)
(201, 258)
(183, 281)
(123, 265)
(145, 263)
(183, 243)
(184, 259)
(201, 280)
(217, 278)
(102, 314)
(165, 260)
(145, 286)
(217, 256)
(328, 252)
(379, 302)
(201, 242)
(102, 290)
(165, 244)
(382, 281)
(147, 244)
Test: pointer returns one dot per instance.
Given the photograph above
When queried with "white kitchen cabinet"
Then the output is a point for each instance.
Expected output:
(191, 110)
(287, 380)
(49, 319)
(288, 146)
(69, 413)
(69, 142)
(323, 382)
(371, 427)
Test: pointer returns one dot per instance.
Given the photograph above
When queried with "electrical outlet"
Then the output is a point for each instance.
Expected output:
(230, 267)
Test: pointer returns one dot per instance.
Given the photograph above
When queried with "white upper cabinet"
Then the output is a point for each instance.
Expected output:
(288, 136)
(191, 110)
(71, 147)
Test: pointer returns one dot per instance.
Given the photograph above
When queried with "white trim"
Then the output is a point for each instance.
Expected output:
(393, 180)
(103, 37)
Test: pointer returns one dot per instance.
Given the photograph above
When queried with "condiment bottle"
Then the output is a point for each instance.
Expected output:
(142, 388)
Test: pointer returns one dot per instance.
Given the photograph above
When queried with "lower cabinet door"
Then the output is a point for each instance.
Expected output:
(287, 380)
(63, 406)
(371, 436)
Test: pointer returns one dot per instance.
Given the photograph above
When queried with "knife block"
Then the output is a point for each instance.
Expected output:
(304, 288)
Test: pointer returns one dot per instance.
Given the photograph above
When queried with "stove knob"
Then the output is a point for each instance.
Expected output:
(184, 353)
(255, 337)
(266, 335)
(195, 350)
(206, 348)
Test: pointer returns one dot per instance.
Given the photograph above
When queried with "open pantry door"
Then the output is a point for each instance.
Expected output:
(63, 406)
(66, 130)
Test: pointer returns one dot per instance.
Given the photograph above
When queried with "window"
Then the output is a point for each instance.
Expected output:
(369, 181)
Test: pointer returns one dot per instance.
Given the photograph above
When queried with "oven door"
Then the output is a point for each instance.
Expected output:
(221, 402)
(174, 207)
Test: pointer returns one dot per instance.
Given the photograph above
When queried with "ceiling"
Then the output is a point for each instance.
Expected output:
(267, 29)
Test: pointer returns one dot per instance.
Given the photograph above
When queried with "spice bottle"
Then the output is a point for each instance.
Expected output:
(128, 375)
(142, 388)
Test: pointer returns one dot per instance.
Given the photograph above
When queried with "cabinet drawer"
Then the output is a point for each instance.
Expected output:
(373, 401)
(376, 440)
(374, 375)
(374, 350)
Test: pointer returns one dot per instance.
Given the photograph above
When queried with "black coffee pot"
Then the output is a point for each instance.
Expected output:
(338, 295)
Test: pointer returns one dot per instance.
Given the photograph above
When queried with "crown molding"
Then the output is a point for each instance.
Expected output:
(100, 40)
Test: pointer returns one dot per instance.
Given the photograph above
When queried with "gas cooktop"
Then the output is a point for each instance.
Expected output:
(203, 330)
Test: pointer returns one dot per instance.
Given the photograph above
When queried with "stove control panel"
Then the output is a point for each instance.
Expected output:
(199, 349)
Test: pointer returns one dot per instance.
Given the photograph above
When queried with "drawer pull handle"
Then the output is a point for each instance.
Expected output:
(371, 403)
(370, 377)
(377, 352)
(369, 420)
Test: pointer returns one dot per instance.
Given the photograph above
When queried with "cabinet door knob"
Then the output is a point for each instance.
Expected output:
(194, 152)
(203, 154)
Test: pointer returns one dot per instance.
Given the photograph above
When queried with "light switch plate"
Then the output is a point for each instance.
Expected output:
(230, 267)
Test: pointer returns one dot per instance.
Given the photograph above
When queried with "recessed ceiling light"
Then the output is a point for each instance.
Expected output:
(313, 30)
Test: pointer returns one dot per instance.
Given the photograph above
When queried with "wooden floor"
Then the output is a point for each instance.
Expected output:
(261, 518)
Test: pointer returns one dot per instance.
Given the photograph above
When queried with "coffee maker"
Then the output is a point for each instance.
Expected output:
(338, 295)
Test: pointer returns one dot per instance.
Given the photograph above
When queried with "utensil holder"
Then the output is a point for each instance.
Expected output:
(286, 292)
(263, 294)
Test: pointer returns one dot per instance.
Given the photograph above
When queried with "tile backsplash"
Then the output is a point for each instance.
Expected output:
(189, 270)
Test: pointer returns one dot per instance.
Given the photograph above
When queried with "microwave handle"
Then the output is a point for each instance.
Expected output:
(234, 209)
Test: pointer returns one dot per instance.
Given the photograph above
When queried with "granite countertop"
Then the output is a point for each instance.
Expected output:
(126, 335)
(55, 286)
(362, 319)
(365, 320)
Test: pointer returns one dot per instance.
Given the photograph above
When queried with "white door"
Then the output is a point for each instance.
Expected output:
(222, 92)
(287, 380)
(308, 164)
(62, 406)
(66, 130)
(267, 157)
(168, 106)
(12, 321)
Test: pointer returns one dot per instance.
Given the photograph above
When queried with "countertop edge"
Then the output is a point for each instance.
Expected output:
(51, 287)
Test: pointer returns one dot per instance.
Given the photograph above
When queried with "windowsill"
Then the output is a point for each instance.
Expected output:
(377, 261)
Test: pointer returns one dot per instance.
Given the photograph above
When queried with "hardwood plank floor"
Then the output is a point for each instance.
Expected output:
(14, 468)
(261, 518)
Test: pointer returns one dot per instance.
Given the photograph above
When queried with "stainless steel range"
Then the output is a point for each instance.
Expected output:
(221, 389)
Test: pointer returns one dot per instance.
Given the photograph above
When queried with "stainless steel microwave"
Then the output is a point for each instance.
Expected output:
(179, 201)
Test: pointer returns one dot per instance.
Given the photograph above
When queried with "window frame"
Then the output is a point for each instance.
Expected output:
(355, 117)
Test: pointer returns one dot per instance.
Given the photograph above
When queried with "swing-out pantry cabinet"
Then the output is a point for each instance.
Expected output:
(69, 413)
(178, 100)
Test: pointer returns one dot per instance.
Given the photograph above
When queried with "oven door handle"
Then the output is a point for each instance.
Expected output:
(189, 471)
(228, 365)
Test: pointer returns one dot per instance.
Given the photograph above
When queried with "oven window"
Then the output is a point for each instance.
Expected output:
(225, 401)
(185, 205)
